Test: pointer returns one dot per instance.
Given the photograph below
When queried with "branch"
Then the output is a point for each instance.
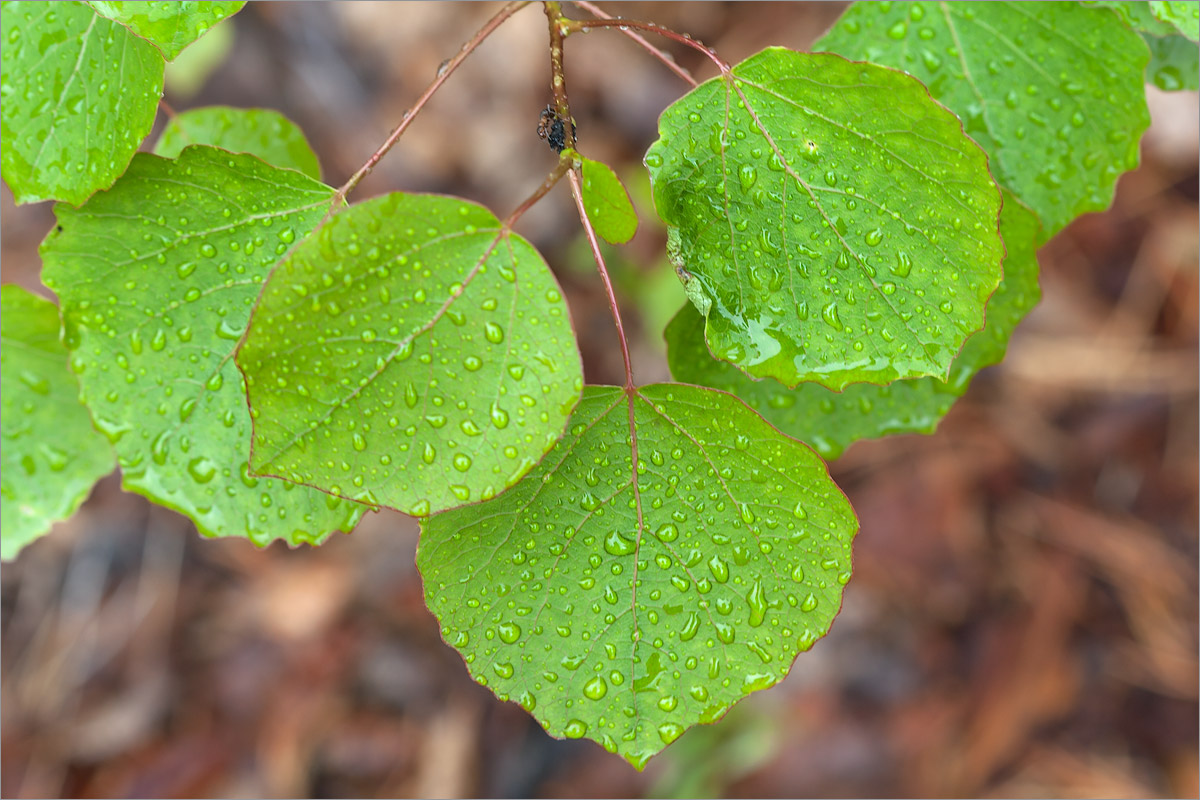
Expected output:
(650, 27)
(662, 55)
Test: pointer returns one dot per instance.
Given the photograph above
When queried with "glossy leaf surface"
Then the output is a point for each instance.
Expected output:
(80, 93)
(1053, 91)
(412, 354)
(157, 277)
(830, 220)
(607, 203)
(832, 421)
(171, 26)
(51, 454)
(1137, 15)
(628, 604)
(1184, 15)
(258, 131)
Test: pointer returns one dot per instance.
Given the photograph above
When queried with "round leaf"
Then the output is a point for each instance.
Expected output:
(51, 455)
(1053, 91)
(607, 203)
(171, 26)
(413, 354)
(80, 94)
(831, 421)
(672, 554)
(157, 277)
(258, 131)
(828, 218)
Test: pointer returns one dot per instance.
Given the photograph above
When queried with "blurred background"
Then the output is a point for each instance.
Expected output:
(1023, 616)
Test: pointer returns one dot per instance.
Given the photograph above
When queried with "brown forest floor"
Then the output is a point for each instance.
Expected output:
(1023, 616)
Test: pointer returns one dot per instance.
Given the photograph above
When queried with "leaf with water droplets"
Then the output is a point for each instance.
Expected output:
(258, 131)
(1137, 15)
(1174, 63)
(607, 202)
(80, 94)
(171, 26)
(51, 454)
(157, 277)
(672, 554)
(1053, 91)
(1183, 14)
(828, 218)
(414, 353)
(831, 421)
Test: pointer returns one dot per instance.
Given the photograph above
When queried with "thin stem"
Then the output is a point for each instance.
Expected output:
(444, 71)
(666, 58)
(561, 169)
(650, 27)
(166, 107)
(577, 192)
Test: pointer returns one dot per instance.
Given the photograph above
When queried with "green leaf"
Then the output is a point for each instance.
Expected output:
(414, 354)
(258, 131)
(1185, 16)
(1053, 92)
(1174, 63)
(1137, 15)
(627, 605)
(51, 455)
(830, 220)
(171, 26)
(157, 277)
(80, 94)
(607, 203)
(832, 421)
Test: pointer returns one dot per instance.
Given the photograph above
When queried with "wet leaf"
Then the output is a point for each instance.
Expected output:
(171, 26)
(258, 131)
(1174, 63)
(51, 454)
(413, 354)
(157, 277)
(1185, 16)
(831, 421)
(1137, 15)
(68, 129)
(1060, 126)
(831, 221)
(607, 203)
(627, 605)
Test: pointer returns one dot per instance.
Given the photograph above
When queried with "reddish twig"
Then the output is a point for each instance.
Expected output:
(564, 166)
(577, 192)
(666, 58)
(444, 71)
(650, 27)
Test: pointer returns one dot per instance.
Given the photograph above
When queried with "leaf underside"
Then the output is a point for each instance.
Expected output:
(832, 421)
(828, 218)
(1053, 92)
(51, 454)
(628, 605)
(258, 131)
(157, 277)
(80, 94)
(412, 354)
(171, 26)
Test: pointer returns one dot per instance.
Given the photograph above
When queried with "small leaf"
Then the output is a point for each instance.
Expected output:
(51, 455)
(1060, 126)
(671, 555)
(828, 218)
(607, 203)
(171, 26)
(157, 277)
(258, 131)
(831, 421)
(80, 94)
(1174, 63)
(414, 353)
(1184, 15)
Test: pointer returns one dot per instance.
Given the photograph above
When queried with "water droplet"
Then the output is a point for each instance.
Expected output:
(509, 632)
(757, 601)
(618, 545)
(719, 569)
(493, 332)
(596, 688)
